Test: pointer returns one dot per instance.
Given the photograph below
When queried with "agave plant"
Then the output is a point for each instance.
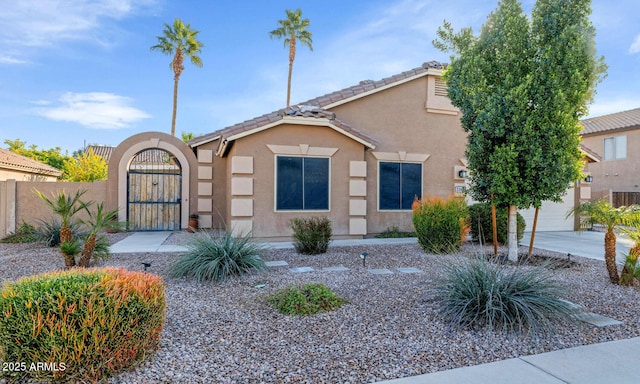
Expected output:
(98, 221)
(65, 206)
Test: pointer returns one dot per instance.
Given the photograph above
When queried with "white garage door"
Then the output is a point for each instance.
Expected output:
(552, 215)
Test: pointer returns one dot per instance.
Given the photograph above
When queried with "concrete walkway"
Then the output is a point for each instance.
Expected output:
(611, 362)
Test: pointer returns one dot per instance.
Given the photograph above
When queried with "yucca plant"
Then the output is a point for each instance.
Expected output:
(98, 221)
(477, 293)
(65, 207)
(216, 257)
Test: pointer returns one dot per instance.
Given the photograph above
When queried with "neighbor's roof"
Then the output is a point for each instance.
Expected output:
(11, 160)
(590, 154)
(613, 122)
(103, 151)
(322, 103)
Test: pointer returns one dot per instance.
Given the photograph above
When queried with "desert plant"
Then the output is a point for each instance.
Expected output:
(65, 207)
(49, 231)
(476, 293)
(441, 224)
(216, 257)
(98, 221)
(26, 233)
(307, 299)
(481, 226)
(312, 235)
(96, 322)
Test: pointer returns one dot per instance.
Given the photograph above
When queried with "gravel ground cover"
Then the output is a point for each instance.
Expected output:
(228, 333)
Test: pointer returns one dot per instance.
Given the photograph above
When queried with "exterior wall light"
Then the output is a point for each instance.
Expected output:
(588, 179)
(463, 174)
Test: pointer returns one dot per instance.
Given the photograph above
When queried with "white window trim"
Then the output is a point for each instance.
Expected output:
(275, 186)
(378, 183)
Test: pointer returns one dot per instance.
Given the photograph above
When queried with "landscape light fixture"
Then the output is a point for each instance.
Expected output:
(146, 265)
(588, 179)
(363, 256)
(462, 174)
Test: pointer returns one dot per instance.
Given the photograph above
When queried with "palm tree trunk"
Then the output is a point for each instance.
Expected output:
(610, 256)
(175, 105)
(66, 235)
(87, 251)
(292, 56)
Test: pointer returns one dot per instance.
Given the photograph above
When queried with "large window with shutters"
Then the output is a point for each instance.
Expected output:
(302, 183)
(398, 185)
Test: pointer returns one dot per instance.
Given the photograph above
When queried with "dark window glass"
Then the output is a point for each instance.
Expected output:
(302, 183)
(400, 183)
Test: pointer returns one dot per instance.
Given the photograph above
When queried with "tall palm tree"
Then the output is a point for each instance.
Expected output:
(65, 206)
(179, 40)
(602, 212)
(292, 28)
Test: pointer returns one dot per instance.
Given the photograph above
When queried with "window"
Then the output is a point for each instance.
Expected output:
(302, 183)
(615, 148)
(399, 184)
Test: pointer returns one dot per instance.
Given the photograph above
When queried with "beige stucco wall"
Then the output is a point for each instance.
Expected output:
(212, 191)
(398, 119)
(12, 174)
(618, 175)
(267, 222)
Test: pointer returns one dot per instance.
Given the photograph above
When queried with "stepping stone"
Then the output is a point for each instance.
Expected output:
(409, 270)
(597, 320)
(301, 269)
(277, 263)
(383, 271)
(337, 269)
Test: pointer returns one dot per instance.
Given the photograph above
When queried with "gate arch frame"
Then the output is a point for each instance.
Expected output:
(122, 157)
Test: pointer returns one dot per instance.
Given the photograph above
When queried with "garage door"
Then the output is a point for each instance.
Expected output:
(552, 215)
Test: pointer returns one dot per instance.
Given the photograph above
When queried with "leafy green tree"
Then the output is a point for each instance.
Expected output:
(86, 166)
(52, 157)
(522, 87)
(179, 40)
(292, 29)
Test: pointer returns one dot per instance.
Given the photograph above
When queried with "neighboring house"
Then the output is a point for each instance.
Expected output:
(359, 156)
(615, 138)
(20, 168)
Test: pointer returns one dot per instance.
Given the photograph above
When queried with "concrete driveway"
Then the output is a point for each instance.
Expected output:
(583, 243)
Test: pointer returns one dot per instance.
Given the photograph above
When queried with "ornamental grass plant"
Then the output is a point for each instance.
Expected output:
(307, 299)
(476, 293)
(216, 257)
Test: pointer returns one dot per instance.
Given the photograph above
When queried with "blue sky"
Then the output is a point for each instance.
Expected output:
(80, 71)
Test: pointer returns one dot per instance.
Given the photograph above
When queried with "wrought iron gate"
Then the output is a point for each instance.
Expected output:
(154, 191)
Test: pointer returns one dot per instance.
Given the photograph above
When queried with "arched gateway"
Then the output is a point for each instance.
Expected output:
(150, 182)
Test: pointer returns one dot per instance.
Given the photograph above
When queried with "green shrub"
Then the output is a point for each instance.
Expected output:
(212, 257)
(92, 323)
(441, 224)
(26, 233)
(478, 293)
(480, 214)
(395, 233)
(312, 235)
(307, 299)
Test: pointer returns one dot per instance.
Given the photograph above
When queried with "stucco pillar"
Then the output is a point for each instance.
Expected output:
(241, 195)
(7, 207)
(357, 198)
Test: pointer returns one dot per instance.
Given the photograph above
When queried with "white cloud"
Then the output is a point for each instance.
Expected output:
(94, 110)
(635, 46)
(613, 106)
(12, 60)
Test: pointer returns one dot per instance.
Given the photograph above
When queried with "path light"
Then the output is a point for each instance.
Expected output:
(588, 179)
(146, 265)
(462, 173)
(363, 256)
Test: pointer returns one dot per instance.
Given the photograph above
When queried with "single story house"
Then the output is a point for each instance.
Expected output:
(20, 168)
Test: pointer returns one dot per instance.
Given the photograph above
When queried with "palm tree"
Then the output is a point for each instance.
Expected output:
(65, 207)
(602, 212)
(291, 29)
(178, 41)
(97, 222)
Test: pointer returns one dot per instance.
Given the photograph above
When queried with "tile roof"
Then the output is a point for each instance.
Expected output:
(590, 154)
(302, 109)
(103, 151)
(613, 122)
(11, 160)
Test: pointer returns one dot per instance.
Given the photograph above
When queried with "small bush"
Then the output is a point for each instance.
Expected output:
(218, 257)
(395, 233)
(441, 224)
(480, 215)
(311, 236)
(49, 231)
(26, 233)
(477, 293)
(304, 300)
(91, 323)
